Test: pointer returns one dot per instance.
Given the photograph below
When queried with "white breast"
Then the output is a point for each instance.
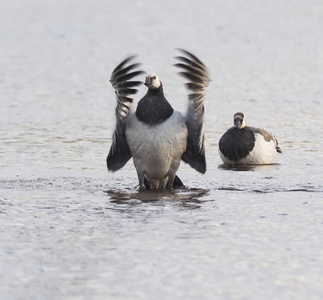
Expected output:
(157, 149)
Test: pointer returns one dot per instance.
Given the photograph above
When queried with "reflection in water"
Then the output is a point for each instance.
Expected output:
(237, 167)
(187, 196)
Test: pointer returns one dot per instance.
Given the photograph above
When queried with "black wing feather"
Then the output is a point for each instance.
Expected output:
(125, 90)
(197, 74)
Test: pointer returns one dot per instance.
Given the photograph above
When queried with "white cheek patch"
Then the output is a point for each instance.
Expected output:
(155, 83)
(243, 124)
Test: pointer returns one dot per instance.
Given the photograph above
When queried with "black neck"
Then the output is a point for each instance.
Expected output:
(156, 92)
(153, 108)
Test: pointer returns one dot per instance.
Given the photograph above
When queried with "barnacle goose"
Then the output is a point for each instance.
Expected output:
(242, 144)
(155, 135)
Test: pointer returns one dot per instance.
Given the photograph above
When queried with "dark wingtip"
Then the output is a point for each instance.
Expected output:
(129, 58)
(189, 54)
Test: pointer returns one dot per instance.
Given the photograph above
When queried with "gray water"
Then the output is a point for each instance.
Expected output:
(71, 230)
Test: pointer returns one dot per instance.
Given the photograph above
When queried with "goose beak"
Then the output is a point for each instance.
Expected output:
(237, 123)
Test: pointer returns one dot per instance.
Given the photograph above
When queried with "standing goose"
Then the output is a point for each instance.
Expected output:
(157, 136)
(242, 144)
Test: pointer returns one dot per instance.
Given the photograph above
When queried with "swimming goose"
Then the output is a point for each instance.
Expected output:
(155, 135)
(242, 144)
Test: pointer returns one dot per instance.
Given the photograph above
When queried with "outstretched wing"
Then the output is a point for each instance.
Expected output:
(196, 72)
(124, 86)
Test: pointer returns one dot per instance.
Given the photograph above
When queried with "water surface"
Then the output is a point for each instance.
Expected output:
(71, 230)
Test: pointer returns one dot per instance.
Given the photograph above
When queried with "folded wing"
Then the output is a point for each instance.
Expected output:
(197, 74)
(125, 89)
